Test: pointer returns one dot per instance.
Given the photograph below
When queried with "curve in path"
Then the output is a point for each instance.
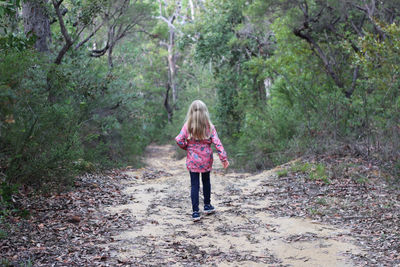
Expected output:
(240, 233)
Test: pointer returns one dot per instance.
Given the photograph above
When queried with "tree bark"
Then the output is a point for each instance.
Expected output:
(110, 59)
(192, 9)
(167, 106)
(172, 65)
(172, 56)
(37, 23)
(320, 53)
(67, 37)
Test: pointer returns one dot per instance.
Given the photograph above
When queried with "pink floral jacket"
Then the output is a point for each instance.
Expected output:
(199, 152)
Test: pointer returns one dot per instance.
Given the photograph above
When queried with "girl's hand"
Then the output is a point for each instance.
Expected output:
(225, 164)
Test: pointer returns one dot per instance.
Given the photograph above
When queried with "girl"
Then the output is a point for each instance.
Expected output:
(196, 137)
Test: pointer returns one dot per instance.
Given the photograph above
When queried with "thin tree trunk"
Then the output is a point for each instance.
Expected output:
(167, 105)
(110, 59)
(192, 10)
(37, 23)
(172, 65)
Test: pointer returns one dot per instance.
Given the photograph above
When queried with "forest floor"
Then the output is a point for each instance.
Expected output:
(278, 217)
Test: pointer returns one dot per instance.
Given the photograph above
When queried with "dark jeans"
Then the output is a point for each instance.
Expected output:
(195, 183)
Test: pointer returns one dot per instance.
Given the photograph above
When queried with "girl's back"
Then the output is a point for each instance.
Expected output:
(196, 137)
(199, 152)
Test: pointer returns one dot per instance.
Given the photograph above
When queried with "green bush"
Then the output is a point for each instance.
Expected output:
(282, 173)
(57, 121)
(319, 173)
(39, 140)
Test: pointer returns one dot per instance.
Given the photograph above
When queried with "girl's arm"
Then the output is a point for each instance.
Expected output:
(218, 145)
(181, 139)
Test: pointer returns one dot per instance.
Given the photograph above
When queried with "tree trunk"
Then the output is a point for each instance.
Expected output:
(110, 59)
(167, 106)
(37, 23)
(192, 9)
(172, 65)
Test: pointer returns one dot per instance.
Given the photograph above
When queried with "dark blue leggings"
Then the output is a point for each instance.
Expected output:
(195, 184)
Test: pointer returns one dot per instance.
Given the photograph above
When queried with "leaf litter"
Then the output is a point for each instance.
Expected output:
(65, 229)
(141, 218)
(351, 193)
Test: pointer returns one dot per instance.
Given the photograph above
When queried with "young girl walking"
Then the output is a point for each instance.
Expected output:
(196, 137)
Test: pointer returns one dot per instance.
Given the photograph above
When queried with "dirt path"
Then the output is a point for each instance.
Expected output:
(241, 233)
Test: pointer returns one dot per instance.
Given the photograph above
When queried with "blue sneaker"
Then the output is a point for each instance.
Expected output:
(196, 216)
(208, 209)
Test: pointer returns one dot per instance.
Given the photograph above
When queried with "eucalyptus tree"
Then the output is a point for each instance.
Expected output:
(121, 19)
(326, 25)
(174, 16)
(37, 22)
(52, 101)
(170, 13)
(228, 39)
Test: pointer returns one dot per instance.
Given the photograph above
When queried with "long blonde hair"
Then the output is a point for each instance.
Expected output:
(198, 121)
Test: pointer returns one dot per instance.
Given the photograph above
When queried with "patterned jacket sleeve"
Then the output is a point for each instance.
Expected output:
(181, 139)
(218, 145)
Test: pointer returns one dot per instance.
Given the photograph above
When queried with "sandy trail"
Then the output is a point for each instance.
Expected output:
(240, 233)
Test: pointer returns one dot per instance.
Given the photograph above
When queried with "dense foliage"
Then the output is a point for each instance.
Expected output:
(281, 78)
(302, 76)
(66, 113)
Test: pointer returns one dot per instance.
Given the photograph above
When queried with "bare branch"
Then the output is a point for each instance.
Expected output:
(315, 47)
(170, 25)
(369, 10)
(67, 37)
(358, 29)
(90, 35)
(100, 52)
(61, 21)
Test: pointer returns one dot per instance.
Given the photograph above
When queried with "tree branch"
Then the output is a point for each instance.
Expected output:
(166, 21)
(67, 38)
(349, 92)
(61, 21)
(353, 45)
(100, 52)
(359, 29)
(314, 45)
(89, 36)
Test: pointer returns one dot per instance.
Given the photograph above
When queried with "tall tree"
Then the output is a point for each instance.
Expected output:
(326, 25)
(169, 12)
(37, 23)
(122, 18)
